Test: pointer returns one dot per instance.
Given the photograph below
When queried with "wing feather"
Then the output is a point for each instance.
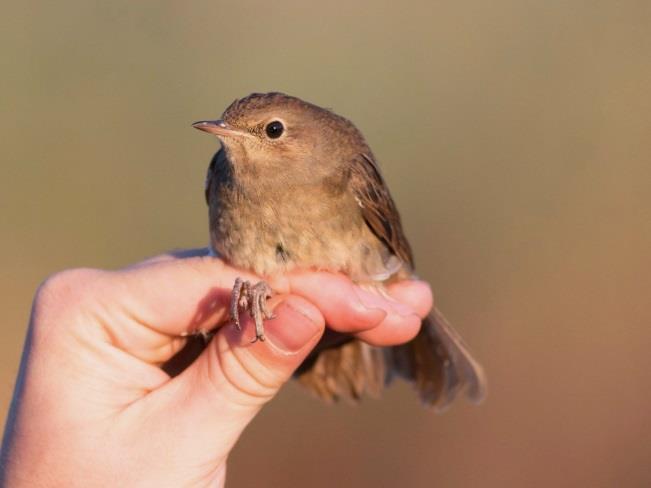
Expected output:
(378, 208)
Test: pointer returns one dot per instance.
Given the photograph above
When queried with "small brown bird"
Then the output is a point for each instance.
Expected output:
(296, 185)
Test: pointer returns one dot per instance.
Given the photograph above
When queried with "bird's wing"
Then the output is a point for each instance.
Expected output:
(378, 209)
(436, 360)
(210, 176)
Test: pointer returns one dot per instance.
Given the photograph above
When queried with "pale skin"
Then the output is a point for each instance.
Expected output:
(93, 407)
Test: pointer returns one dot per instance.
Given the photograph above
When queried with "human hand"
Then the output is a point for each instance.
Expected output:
(92, 406)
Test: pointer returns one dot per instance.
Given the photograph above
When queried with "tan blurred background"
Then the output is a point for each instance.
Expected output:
(515, 136)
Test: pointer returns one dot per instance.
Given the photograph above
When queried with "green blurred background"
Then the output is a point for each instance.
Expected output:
(514, 134)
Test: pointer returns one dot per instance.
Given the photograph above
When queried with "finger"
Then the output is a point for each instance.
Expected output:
(369, 312)
(393, 330)
(233, 378)
(402, 325)
(345, 306)
(173, 296)
(144, 309)
(416, 294)
(172, 255)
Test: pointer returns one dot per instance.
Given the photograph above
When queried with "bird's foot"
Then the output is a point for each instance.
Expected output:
(253, 299)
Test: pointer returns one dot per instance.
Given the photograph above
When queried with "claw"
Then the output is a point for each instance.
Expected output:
(253, 299)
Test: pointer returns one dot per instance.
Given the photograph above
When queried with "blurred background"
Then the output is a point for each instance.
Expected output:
(515, 136)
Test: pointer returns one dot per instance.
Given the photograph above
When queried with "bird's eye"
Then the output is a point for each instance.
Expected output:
(274, 129)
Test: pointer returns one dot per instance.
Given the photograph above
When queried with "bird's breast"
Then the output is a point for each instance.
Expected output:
(276, 231)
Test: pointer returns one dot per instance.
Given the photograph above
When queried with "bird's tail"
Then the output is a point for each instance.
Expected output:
(437, 361)
(344, 371)
(439, 364)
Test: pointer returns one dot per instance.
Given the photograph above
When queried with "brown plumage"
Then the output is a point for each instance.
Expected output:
(296, 185)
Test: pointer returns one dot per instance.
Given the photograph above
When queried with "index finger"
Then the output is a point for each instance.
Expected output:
(174, 296)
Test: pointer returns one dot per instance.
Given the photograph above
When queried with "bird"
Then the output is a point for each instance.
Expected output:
(294, 186)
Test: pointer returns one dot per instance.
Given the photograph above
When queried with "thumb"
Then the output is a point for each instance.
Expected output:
(230, 381)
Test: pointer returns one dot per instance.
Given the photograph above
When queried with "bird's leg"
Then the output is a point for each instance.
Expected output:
(239, 299)
(253, 299)
(258, 307)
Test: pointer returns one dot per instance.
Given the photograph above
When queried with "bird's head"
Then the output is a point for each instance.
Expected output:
(284, 133)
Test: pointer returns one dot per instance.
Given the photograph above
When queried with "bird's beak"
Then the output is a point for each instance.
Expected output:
(218, 127)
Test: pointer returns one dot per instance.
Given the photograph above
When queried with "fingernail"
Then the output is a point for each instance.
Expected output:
(401, 309)
(293, 327)
(381, 301)
(368, 299)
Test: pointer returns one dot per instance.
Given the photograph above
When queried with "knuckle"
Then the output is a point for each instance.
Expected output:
(240, 379)
(64, 290)
(204, 263)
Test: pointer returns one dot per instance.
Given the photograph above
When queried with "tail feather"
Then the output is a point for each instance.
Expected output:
(437, 361)
(346, 371)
